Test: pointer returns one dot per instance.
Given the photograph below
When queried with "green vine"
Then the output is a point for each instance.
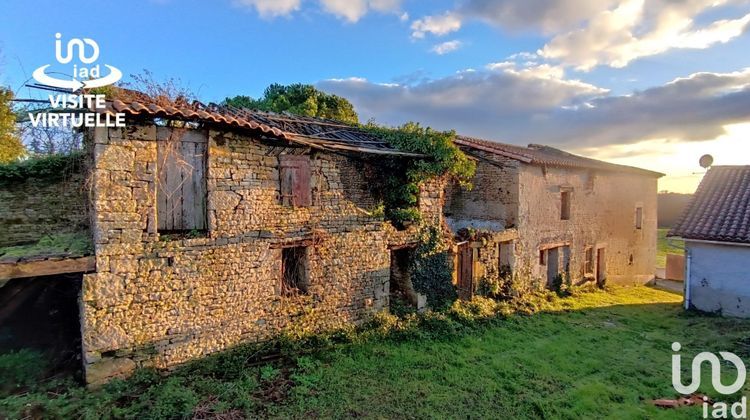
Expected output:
(404, 176)
(431, 270)
(51, 167)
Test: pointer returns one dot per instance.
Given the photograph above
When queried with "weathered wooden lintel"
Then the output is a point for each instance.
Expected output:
(46, 268)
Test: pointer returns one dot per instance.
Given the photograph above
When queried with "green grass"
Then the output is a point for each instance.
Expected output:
(75, 243)
(594, 355)
(663, 247)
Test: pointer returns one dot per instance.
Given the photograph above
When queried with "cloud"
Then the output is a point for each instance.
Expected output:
(540, 105)
(353, 10)
(634, 29)
(349, 10)
(547, 16)
(589, 33)
(446, 47)
(436, 25)
(271, 8)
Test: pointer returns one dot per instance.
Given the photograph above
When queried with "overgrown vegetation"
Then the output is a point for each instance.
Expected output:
(431, 271)
(48, 167)
(299, 99)
(72, 243)
(403, 177)
(11, 147)
(596, 354)
(20, 370)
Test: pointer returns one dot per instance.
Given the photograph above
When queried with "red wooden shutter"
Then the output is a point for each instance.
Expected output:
(294, 173)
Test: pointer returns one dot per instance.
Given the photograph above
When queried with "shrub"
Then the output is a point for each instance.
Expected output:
(50, 167)
(173, 399)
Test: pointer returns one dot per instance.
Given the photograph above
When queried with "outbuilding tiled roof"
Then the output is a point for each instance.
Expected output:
(545, 155)
(720, 209)
(314, 132)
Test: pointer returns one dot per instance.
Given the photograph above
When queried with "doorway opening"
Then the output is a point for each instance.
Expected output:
(40, 316)
(402, 293)
(601, 267)
(464, 270)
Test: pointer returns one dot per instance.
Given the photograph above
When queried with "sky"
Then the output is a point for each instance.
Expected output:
(648, 83)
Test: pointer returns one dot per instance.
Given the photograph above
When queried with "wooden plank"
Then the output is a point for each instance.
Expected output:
(47, 268)
(174, 189)
(199, 179)
(194, 136)
(303, 191)
(181, 190)
(161, 184)
(286, 180)
(187, 189)
(295, 177)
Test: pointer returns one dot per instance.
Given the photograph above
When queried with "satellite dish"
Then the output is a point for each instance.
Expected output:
(706, 161)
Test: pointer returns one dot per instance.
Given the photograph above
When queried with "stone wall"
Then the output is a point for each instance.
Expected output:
(160, 302)
(33, 208)
(519, 203)
(602, 215)
(492, 203)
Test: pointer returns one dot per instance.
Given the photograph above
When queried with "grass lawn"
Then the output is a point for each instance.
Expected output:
(595, 355)
(663, 247)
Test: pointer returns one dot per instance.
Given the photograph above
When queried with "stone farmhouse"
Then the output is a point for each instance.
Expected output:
(542, 214)
(230, 231)
(213, 226)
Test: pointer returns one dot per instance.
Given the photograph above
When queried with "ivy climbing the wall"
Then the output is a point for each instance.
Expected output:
(431, 271)
(404, 176)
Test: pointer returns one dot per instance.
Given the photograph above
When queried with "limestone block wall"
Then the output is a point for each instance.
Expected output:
(492, 203)
(156, 301)
(522, 203)
(602, 215)
(33, 208)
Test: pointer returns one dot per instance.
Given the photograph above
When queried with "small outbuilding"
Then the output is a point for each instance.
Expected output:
(716, 229)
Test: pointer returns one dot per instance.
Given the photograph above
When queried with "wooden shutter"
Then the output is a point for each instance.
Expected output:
(639, 217)
(294, 173)
(181, 191)
(565, 205)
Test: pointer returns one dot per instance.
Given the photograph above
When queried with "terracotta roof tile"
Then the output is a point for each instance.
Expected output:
(720, 209)
(313, 132)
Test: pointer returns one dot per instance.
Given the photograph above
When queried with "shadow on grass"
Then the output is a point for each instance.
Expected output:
(592, 355)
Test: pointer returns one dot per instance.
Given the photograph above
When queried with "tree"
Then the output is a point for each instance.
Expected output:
(11, 148)
(299, 99)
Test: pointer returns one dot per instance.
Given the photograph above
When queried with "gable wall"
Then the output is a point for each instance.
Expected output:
(602, 215)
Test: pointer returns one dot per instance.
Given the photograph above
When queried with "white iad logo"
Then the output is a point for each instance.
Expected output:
(90, 77)
(739, 409)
